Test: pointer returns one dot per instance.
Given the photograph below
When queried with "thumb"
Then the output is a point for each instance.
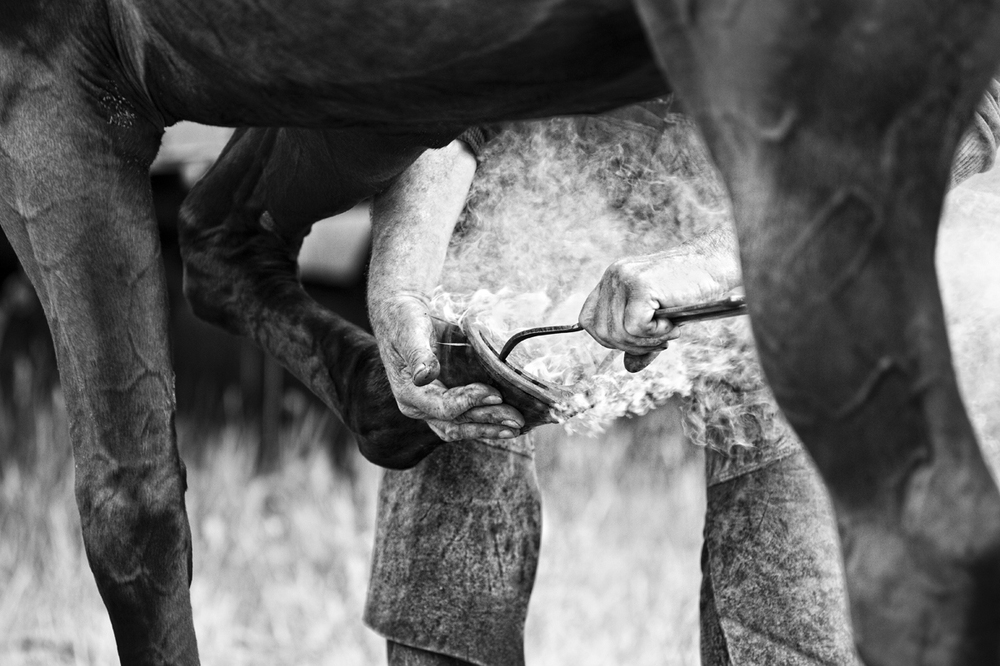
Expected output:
(661, 326)
(640, 319)
(415, 349)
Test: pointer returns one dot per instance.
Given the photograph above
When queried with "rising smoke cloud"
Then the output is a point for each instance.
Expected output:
(553, 204)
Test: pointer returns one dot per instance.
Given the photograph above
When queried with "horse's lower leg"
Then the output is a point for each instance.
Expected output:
(241, 228)
(75, 203)
(834, 127)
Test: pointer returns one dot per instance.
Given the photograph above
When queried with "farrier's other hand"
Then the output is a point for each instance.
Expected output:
(620, 312)
(407, 336)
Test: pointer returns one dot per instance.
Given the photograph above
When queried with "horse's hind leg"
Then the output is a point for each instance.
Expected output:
(834, 125)
(76, 205)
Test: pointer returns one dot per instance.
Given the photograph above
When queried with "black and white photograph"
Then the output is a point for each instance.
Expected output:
(499, 333)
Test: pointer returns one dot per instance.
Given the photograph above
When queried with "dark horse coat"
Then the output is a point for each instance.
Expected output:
(833, 123)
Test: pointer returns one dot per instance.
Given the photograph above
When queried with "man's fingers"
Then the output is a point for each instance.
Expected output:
(643, 323)
(466, 412)
(619, 324)
(450, 431)
(632, 344)
(637, 346)
(456, 401)
(504, 415)
(639, 319)
(435, 402)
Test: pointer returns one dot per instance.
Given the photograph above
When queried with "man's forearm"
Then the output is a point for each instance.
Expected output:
(412, 223)
(717, 252)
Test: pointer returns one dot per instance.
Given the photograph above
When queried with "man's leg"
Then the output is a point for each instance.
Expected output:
(773, 583)
(772, 579)
(456, 549)
(404, 655)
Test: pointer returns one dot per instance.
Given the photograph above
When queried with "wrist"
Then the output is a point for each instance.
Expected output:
(383, 302)
(715, 254)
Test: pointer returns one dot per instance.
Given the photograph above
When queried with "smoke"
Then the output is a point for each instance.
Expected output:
(553, 204)
(968, 246)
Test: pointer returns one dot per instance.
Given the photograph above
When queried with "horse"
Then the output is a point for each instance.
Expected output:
(832, 124)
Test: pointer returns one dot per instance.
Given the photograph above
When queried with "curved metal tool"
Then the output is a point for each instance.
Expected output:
(726, 307)
(521, 336)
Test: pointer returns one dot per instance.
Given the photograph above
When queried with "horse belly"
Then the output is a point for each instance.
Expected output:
(390, 63)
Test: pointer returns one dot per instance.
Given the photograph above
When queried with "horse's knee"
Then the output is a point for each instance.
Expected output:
(135, 527)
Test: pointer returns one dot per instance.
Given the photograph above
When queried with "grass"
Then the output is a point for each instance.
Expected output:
(281, 561)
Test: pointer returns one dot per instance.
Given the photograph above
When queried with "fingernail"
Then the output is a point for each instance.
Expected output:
(420, 369)
(511, 424)
(507, 434)
(492, 400)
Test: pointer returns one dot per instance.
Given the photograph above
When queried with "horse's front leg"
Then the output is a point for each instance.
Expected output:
(834, 125)
(75, 203)
(241, 229)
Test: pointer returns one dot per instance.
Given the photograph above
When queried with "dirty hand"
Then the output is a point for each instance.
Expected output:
(619, 312)
(407, 336)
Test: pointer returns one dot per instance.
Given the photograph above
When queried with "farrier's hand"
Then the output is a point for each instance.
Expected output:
(619, 312)
(407, 336)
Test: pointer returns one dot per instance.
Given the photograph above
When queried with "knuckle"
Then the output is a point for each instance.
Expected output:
(642, 347)
(409, 410)
(631, 328)
(410, 357)
(436, 411)
(464, 398)
(442, 412)
(473, 431)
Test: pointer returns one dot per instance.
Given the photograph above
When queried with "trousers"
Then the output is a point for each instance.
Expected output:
(457, 546)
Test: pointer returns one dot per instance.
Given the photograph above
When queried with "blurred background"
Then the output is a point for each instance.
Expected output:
(282, 506)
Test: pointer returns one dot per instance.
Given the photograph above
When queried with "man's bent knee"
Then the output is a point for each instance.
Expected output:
(404, 655)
